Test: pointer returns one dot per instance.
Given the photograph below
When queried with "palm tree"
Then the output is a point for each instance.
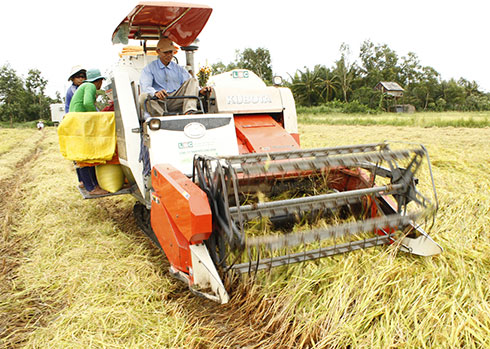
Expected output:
(470, 87)
(306, 86)
(331, 84)
(344, 70)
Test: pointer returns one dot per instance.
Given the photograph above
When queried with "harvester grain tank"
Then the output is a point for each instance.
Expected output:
(211, 171)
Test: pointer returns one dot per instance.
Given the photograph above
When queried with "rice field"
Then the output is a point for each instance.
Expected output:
(314, 115)
(77, 273)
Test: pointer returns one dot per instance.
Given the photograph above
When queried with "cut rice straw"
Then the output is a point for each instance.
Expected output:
(84, 275)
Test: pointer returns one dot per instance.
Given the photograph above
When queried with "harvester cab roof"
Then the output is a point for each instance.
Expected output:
(210, 178)
(180, 22)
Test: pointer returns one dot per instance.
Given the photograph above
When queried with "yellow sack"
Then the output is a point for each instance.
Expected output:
(88, 136)
(110, 177)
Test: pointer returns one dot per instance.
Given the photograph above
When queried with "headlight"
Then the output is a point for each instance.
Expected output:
(154, 124)
(277, 80)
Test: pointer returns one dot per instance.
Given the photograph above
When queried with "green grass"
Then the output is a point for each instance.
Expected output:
(312, 116)
(24, 124)
(422, 119)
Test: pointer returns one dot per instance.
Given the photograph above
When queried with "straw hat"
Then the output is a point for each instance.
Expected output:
(165, 44)
(75, 70)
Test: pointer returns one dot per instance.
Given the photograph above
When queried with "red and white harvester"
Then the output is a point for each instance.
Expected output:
(237, 162)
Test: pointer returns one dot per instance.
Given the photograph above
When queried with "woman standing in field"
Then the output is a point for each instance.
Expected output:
(84, 101)
(77, 77)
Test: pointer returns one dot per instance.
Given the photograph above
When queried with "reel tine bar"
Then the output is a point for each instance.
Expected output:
(230, 175)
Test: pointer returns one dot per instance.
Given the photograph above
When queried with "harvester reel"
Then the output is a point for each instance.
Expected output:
(349, 172)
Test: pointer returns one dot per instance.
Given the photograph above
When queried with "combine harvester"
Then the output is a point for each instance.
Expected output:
(211, 171)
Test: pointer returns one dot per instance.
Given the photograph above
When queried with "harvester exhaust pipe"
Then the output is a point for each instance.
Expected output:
(189, 56)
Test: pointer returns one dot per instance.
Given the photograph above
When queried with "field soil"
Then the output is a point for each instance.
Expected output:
(79, 273)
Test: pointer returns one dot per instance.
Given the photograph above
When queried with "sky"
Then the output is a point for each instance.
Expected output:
(451, 36)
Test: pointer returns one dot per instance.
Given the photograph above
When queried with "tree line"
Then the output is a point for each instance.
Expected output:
(23, 99)
(346, 85)
(349, 85)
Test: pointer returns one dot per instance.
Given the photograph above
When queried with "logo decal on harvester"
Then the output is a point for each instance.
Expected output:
(185, 145)
(248, 99)
(240, 74)
(194, 130)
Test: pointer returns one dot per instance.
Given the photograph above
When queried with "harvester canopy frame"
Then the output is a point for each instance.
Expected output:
(180, 22)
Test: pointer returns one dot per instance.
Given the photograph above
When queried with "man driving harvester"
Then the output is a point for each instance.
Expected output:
(163, 78)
